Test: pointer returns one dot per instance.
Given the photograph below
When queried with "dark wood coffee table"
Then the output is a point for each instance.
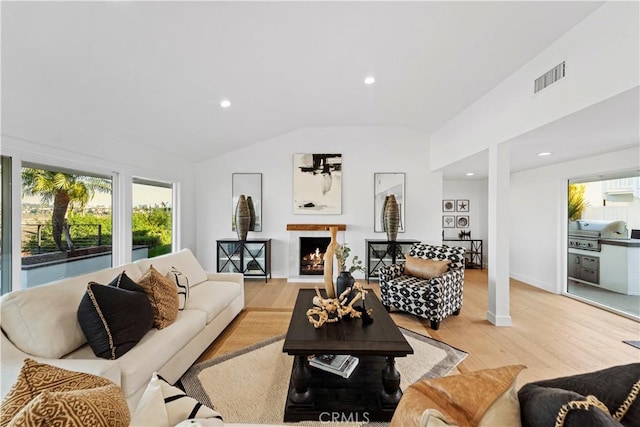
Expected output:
(371, 393)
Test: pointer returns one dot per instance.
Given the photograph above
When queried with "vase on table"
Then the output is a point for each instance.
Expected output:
(345, 280)
(252, 214)
(382, 214)
(243, 217)
(328, 263)
(391, 218)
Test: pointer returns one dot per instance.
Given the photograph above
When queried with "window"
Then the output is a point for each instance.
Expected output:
(152, 218)
(66, 223)
(5, 223)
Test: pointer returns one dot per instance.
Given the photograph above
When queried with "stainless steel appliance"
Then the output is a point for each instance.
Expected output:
(584, 267)
(586, 235)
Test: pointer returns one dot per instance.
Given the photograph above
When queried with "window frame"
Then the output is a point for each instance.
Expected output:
(7, 224)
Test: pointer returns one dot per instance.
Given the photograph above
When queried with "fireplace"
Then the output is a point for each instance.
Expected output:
(312, 255)
(296, 231)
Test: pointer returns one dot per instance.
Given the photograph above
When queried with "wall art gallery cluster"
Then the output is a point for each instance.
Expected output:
(454, 207)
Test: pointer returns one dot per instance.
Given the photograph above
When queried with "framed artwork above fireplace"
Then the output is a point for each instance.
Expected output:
(317, 184)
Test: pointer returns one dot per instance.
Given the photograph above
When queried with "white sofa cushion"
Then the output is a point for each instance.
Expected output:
(12, 360)
(183, 261)
(153, 351)
(42, 321)
(213, 297)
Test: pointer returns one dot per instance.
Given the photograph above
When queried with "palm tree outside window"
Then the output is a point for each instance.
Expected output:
(66, 216)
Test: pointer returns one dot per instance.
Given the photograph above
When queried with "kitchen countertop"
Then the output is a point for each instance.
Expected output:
(630, 243)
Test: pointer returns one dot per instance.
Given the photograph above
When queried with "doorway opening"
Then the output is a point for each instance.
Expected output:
(603, 258)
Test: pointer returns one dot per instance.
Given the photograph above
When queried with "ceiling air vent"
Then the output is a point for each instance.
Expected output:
(548, 78)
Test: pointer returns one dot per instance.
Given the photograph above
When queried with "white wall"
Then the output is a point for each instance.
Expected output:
(539, 215)
(127, 161)
(364, 151)
(602, 59)
(476, 191)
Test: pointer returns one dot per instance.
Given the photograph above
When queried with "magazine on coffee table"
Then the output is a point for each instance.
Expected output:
(339, 364)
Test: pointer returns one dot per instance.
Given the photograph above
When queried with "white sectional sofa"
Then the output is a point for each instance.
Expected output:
(41, 323)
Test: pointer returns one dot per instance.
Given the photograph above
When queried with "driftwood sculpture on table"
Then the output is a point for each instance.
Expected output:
(331, 310)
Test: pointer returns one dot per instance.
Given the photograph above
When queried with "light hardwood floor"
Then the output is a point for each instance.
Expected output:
(551, 334)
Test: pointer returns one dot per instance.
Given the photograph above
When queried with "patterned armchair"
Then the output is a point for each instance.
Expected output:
(434, 299)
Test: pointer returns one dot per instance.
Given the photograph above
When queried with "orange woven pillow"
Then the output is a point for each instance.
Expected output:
(425, 268)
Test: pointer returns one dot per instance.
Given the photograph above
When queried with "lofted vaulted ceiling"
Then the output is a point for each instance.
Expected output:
(154, 73)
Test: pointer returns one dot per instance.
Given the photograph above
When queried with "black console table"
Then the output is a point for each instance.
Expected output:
(473, 255)
(381, 253)
(249, 257)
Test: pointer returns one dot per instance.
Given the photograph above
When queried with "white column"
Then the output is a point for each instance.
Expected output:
(121, 213)
(498, 227)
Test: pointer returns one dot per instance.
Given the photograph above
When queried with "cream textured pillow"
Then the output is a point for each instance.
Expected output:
(35, 378)
(101, 406)
(163, 296)
(483, 398)
(425, 268)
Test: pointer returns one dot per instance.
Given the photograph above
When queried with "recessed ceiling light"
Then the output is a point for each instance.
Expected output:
(225, 103)
(545, 153)
(369, 80)
(470, 174)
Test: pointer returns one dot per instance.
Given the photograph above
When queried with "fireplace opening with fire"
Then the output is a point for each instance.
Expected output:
(312, 251)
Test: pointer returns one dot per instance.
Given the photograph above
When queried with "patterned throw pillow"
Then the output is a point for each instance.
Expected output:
(100, 406)
(182, 282)
(35, 378)
(114, 319)
(165, 405)
(163, 296)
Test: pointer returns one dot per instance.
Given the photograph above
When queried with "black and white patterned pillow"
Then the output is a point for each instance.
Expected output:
(165, 405)
(182, 282)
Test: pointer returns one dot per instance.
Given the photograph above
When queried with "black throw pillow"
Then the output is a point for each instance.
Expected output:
(123, 281)
(544, 406)
(612, 386)
(114, 319)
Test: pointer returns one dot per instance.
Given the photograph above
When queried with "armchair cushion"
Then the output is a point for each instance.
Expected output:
(425, 268)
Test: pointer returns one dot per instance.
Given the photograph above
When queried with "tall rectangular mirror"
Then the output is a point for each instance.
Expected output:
(385, 184)
(249, 184)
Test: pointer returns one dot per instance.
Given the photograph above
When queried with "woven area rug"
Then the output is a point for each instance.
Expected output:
(251, 385)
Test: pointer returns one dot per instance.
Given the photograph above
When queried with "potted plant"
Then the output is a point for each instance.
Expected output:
(345, 279)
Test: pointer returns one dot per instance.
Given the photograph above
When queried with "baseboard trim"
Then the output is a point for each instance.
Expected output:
(498, 320)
